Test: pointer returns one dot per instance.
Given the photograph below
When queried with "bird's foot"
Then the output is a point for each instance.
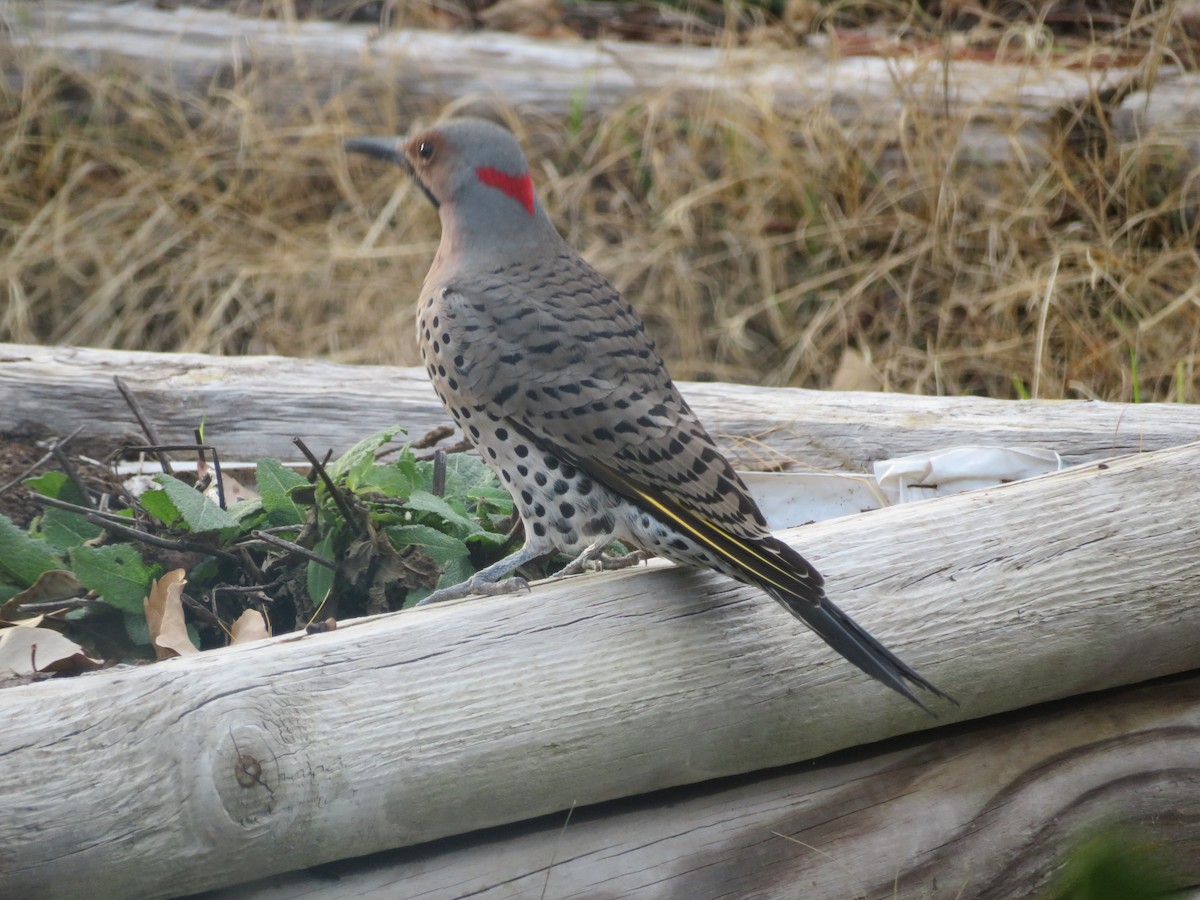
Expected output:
(594, 559)
(478, 587)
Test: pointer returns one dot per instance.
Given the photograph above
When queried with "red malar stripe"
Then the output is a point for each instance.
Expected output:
(519, 187)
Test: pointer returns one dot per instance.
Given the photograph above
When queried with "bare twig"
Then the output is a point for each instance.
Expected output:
(200, 448)
(204, 612)
(432, 437)
(82, 510)
(154, 540)
(438, 487)
(293, 548)
(53, 605)
(196, 448)
(41, 462)
(73, 474)
(147, 427)
(113, 523)
(458, 447)
(343, 506)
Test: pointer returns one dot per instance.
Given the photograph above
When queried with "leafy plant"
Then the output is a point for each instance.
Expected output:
(360, 535)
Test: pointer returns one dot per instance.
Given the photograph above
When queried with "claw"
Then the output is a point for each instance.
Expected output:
(475, 586)
(595, 559)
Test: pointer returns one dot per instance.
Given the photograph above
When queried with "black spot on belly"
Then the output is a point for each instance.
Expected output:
(598, 525)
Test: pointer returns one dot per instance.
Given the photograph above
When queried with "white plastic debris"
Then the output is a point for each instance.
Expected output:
(788, 499)
(924, 475)
(796, 498)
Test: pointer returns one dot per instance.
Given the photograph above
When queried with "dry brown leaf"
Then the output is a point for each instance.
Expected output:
(250, 626)
(234, 489)
(28, 651)
(164, 615)
(51, 586)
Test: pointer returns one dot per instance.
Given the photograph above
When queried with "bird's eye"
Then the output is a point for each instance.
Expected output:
(425, 149)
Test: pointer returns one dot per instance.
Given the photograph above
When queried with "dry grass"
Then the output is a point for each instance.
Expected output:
(762, 245)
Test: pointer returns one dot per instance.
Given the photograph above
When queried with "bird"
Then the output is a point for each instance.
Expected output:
(553, 377)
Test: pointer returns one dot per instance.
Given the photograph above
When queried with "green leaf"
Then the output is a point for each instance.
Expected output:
(446, 550)
(360, 453)
(423, 501)
(158, 504)
(440, 546)
(391, 481)
(494, 538)
(275, 483)
(137, 629)
(63, 529)
(465, 472)
(115, 572)
(199, 514)
(456, 571)
(247, 513)
(319, 577)
(56, 485)
(24, 557)
(8, 591)
(469, 478)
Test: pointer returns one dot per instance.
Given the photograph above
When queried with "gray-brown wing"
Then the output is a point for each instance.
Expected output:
(552, 346)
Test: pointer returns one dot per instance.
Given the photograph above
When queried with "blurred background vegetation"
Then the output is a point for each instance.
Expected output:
(762, 244)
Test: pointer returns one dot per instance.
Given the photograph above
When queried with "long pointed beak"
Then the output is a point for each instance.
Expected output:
(392, 150)
(389, 148)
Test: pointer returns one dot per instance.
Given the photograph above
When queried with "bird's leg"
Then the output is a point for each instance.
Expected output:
(486, 582)
(594, 553)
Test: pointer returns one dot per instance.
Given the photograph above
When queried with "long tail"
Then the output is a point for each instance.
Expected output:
(772, 565)
(841, 632)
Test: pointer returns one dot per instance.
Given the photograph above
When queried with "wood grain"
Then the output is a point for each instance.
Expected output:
(988, 811)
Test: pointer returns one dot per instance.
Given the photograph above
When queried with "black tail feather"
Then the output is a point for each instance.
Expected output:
(774, 566)
(853, 641)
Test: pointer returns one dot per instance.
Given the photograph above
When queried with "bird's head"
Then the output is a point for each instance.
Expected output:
(473, 171)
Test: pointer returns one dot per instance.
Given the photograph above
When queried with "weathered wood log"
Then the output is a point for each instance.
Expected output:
(435, 722)
(254, 406)
(1006, 102)
(987, 812)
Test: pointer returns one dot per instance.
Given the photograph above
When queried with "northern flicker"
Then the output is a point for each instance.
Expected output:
(552, 376)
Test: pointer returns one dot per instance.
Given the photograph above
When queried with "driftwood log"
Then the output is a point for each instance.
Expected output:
(1010, 105)
(254, 406)
(233, 764)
